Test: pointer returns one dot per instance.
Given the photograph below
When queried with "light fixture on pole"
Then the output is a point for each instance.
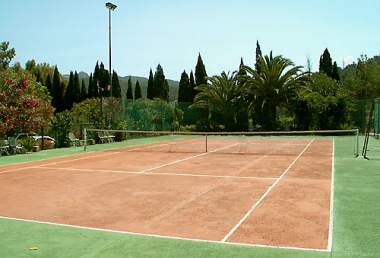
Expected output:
(110, 7)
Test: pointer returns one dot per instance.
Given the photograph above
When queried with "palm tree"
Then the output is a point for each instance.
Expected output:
(273, 86)
(221, 97)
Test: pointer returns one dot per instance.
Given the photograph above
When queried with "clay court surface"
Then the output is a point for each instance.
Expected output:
(275, 194)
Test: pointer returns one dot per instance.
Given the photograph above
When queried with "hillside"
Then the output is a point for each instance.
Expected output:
(173, 85)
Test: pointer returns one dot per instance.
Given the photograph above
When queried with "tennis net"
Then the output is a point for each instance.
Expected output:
(253, 143)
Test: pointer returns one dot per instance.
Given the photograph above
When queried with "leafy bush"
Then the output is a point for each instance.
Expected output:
(61, 125)
(152, 115)
(27, 143)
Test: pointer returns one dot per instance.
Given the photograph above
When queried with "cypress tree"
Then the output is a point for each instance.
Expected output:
(104, 80)
(184, 89)
(116, 90)
(138, 91)
(129, 90)
(258, 56)
(96, 76)
(77, 94)
(70, 92)
(325, 63)
(48, 83)
(150, 89)
(57, 91)
(242, 112)
(83, 91)
(335, 72)
(200, 72)
(160, 84)
(192, 86)
(92, 90)
(38, 76)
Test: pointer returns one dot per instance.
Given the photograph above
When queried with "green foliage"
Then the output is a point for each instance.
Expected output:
(27, 143)
(88, 111)
(258, 57)
(138, 94)
(145, 114)
(325, 63)
(192, 86)
(200, 72)
(116, 90)
(6, 55)
(129, 90)
(24, 103)
(48, 83)
(92, 88)
(61, 124)
(328, 103)
(335, 72)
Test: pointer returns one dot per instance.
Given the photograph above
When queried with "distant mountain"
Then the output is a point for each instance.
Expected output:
(173, 85)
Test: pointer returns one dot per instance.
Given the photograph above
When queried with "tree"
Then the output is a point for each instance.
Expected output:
(160, 84)
(325, 63)
(72, 94)
(184, 89)
(138, 94)
(6, 55)
(116, 90)
(222, 98)
(57, 91)
(129, 90)
(242, 103)
(48, 83)
(83, 92)
(335, 72)
(150, 90)
(192, 86)
(277, 81)
(258, 57)
(25, 104)
(92, 88)
(200, 72)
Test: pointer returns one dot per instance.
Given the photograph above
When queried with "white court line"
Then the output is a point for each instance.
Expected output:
(154, 174)
(191, 157)
(164, 236)
(249, 212)
(331, 225)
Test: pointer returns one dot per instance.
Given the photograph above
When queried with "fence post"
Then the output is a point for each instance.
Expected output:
(85, 138)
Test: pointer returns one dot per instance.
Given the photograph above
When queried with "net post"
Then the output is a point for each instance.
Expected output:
(85, 138)
(206, 144)
(357, 143)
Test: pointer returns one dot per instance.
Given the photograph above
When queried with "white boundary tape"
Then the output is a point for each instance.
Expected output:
(258, 202)
(164, 236)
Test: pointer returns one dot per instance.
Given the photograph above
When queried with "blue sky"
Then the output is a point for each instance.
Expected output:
(73, 34)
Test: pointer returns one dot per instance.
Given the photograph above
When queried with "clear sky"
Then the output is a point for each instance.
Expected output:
(74, 33)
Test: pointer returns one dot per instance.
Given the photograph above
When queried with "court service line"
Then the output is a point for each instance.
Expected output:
(157, 173)
(331, 225)
(249, 212)
(163, 236)
(191, 157)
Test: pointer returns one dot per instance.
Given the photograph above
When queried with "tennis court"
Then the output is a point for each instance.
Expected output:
(273, 191)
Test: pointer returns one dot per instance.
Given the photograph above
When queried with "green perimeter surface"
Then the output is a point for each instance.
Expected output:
(356, 223)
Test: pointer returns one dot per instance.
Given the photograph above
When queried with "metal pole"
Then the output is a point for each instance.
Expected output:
(110, 50)
(85, 138)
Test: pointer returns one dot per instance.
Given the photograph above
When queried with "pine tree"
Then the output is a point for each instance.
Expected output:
(192, 86)
(48, 83)
(325, 63)
(200, 72)
(335, 72)
(258, 56)
(57, 91)
(138, 94)
(150, 89)
(116, 90)
(129, 90)
(184, 89)
(83, 91)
